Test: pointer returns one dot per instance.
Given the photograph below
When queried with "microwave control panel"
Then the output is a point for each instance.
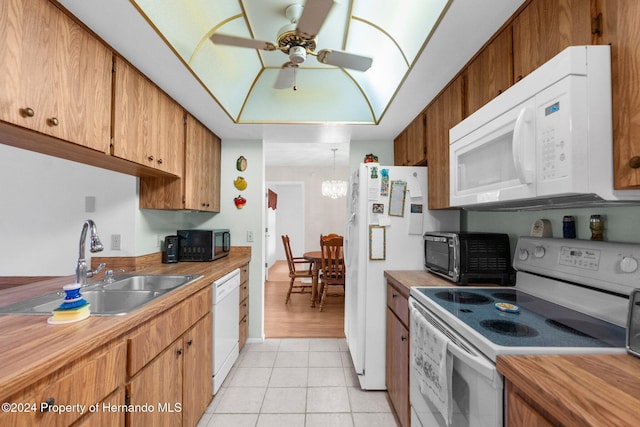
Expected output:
(554, 142)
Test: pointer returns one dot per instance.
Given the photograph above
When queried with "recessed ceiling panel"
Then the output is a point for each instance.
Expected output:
(241, 78)
(320, 97)
(408, 22)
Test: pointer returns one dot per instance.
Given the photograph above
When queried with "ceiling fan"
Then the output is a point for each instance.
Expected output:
(297, 40)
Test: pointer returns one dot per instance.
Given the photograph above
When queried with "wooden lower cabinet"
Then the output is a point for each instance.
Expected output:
(244, 305)
(519, 413)
(83, 383)
(197, 371)
(170, 364)
(397, 353)
(158, 385)
(107, 413)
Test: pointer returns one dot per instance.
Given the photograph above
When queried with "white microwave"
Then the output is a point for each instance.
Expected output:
(545, 142)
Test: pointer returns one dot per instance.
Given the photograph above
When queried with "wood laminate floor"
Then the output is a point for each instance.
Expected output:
(298, 319)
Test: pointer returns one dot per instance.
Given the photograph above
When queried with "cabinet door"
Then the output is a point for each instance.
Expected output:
(410, 147)
(416, 141)
(490, 73)
(444, 113)
(202, 168)
(401, 149)
(397, 373)
(546, 27)
(159, 384)
(148, 126)
(521, 414)
(622, 32)
(56, 78)
(198, 386)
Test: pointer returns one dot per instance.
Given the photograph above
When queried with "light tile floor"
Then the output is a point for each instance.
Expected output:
(296, 382)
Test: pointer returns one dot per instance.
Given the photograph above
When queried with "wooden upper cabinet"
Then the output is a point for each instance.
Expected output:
(620, 29)
(148, 126)
(544, 28)
(491, 72)
(445, 112)
(202, 167)
(410, 147)
(401, 150)
(56, 77)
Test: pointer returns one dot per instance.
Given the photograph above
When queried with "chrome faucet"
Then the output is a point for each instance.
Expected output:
(94, 246)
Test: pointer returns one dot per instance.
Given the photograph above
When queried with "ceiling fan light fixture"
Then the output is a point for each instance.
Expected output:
(297, 54)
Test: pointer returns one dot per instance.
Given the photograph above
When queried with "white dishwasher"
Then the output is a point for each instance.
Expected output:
(226, 326)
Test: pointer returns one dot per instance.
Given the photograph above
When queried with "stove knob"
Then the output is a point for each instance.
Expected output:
(628, 264)
(538, 252)
(523, 254)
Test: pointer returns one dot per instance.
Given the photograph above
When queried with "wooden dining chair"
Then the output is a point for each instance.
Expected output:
(299, 269)
(333, 267)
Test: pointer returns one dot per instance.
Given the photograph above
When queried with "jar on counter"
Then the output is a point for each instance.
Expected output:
(596, 224)
(568, 227)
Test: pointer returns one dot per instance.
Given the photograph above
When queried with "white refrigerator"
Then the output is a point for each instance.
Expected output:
(387, 215)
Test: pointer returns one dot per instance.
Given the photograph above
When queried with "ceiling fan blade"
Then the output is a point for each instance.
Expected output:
(242, 42)
(344, 59)
(313, 16)
(286, 76)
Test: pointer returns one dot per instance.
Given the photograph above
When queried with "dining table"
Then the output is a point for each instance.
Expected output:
(315, 257)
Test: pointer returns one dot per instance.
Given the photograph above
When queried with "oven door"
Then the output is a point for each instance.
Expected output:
(476, 388)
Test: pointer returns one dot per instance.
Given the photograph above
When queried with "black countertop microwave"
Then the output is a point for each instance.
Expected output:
(465, 257)
(203, 245)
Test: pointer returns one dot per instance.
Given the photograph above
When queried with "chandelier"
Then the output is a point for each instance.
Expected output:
(332, 187)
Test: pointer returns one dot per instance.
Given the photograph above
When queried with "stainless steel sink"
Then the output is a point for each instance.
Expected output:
(148, 282)
(124, 295)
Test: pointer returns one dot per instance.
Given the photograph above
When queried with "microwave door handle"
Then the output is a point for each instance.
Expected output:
(518, 145)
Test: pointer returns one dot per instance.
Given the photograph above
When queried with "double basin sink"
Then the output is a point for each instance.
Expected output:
(114, 298)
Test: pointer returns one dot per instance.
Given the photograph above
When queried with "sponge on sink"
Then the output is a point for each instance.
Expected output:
(74, 308)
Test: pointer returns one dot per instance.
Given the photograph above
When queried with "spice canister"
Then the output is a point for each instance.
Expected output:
(596, 224)
(568, 227)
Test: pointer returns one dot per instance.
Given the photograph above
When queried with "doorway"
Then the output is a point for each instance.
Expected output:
(297, 319)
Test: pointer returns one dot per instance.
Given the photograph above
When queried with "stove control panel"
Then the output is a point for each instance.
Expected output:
(579, 257)
(610, 266)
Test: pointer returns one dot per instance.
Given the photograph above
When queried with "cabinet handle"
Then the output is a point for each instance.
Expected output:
(634, 162)
(179, 352)
(150, 158)
(189, 343)
(53, 121)
(46, 405)
(393, 296)
(159, 161)
(28, 112)
(403, 338)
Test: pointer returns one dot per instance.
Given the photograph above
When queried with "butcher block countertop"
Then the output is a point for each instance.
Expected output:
(30, 348)
(404, 280)
(579, 390)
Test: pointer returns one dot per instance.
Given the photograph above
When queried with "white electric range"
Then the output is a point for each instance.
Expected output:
(571, 296)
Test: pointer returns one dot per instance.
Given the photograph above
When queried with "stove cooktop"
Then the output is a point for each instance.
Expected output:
(511, 318)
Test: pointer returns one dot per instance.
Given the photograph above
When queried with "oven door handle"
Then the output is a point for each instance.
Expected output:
(457, 346)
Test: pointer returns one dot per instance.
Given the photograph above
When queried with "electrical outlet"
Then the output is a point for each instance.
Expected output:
(249, 236)
(116, 242)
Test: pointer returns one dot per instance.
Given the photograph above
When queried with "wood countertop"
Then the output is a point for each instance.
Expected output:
(404, 280)
(30, 348)
(579, 390)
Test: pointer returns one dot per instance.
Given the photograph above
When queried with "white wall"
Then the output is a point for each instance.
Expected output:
(358, 149)
(42, 209)
(321, 215)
